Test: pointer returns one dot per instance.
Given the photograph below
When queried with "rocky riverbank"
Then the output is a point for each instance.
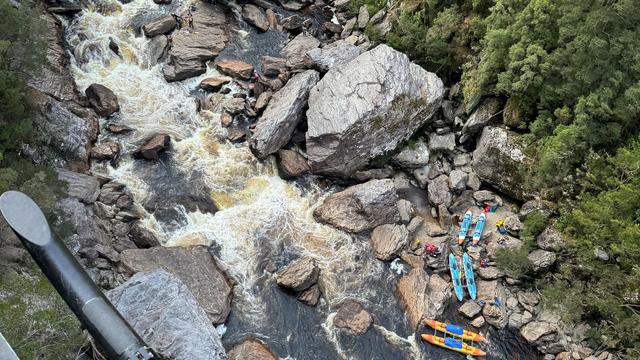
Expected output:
(372, 145)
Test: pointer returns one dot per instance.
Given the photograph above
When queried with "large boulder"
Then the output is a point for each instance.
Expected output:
(495, 315)
(361, 207)
(299, 274)
(481, 117)
(282, 115)
(388, 240)
(366, 107)
(542, 260)
(291, 164)
(102, 99)
(235, 68)
(497, 160)
(296, 50)
(423, 296)
(162, 25)
(353, 316)
(551, 239)
(534, 330)
(83, 187)
(251, 350)
(195, 268)
(439, 192)
(334, 54)
(192, 49)
(414, 155)
(165, 313)
(470, 309)
(504, 242)
(255, 16)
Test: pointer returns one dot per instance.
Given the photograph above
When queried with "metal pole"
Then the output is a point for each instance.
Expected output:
(111, 331)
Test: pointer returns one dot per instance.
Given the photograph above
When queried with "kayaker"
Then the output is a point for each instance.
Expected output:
(500, 227)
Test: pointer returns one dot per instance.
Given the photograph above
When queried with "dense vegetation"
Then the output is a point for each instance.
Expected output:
(569, 71)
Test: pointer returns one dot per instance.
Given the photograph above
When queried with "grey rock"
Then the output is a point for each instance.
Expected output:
(284, 112)
(159, 26)
(422, 176)
(361, 207)
(291, 164)
(470, 309)
(255, 16)
(348, 27)
(416, 155)
(474, 181)
(102, 99)
(353, 316)
(458, 180)
(490, 273)
(363, 17)
(534, 330)
(378, 17)
(442, 143)
(495, 315)
(497, 161)
(541, 259)
(273, 66)
(298, 275)
(551, 239)
(263, 100)
(142, 237)
(406, 210)
(371, 174)
(334, 54)
(488, 290)
(600, 254)
(478, 322)
(422, 296)
(388, 240)
(234, 105)
(513, 224)
(546, 208)
(439, 192)
(461, 160)
(518, 320)
(106, 150)
(296, 50)
(481, 117)
(83, 187)
(414, 224)
(528, 300)
(167, 316)
(486, 197)
(503, 242)
(365, 108)
(195, 268)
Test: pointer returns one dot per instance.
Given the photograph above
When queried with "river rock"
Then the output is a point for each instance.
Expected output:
(481, 117)
(414, 155)
(495, 315)
(159, 26)
(363, 17)
(153, 147)
(251, 350)
(234, 105)
(332, 28)
(293, 22)
(164, 312)
(542, 259)
(214, 83)
(458, 180)
(551, 239)
(102, 100)
(273, 66)
(388, 240)
(366, 107)
(105, 150)
(263, 100)
(518, 320)
(192, 49)
(284, 112)
(422, 296)
(296, 50)
(142, 237)
(502, 242)
(118, 128)
(470, 309)
(255, 16)
(438, 191)
(195, 267)
(537, 329)
(478, 322)
(235, 68)
(442, 143)
(83, 187)
(361, 207)
(334, 54)
(299, 274)
(497, 160)
(311, 296)
(353, 316)
(291, 164)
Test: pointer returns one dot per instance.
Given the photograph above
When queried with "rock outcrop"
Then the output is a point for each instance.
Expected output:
(388, 240)
(361, 207)
(423, 296)
(282, 115)
(195, 268)
(366, 107)
(167, 316)
(299, 275)
(102, 99)
(353, 316)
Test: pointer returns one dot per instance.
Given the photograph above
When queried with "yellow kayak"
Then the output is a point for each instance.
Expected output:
(454, 330)
(453, 344)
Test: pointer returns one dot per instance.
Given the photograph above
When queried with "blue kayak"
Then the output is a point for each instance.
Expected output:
(455, 276)
(468, 274)
(477, 232)
(464, 227)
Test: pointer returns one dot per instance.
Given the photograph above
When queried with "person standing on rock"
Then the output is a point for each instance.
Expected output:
(178, 20)
(170, 41)
(190, 19)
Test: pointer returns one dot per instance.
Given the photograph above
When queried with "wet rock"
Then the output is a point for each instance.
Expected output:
(551, 239)
(528, 300)
(388, 240)
(118, 128)
(195, 268)
(541, 259)
(458, 180)
(284, 112)
(251, 350)
(153, 147)
(478, 322)
(495, 315)
(353, 316)
(234, 105)
(481, 117)
(296, 50)
(502, 242)
(142, 237)
(311, 296)
(235, 68)
(518, 320)
(102, 100)
(470, 309)
(255, 16)
(363, 17)
(422, 296)
(438, 191)
(291, 164)
(105, 150)
(83, 187)
(442, 143)
(214, 83)
(534, 330)
(361, 207)
(299, 274)
(236, 135)
(341, 141)
(167, 316)
(414, 155)
(273, 66)
(111, 192)
(497, 161)
(263, 100)
(546, 208)
(334, 54)
(159, 26)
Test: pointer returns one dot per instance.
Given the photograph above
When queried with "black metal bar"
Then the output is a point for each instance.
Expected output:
(111, 331)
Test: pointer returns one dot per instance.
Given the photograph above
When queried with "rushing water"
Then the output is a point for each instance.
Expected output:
(209, 191)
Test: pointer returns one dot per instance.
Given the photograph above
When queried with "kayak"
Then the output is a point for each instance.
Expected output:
(453, 344)
(468, 274)
(477, 232)
(464, 227)
(454, 330)
(455, 276)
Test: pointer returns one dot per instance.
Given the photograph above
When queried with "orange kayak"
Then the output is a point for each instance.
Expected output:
(454, 330)
(453, 344)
